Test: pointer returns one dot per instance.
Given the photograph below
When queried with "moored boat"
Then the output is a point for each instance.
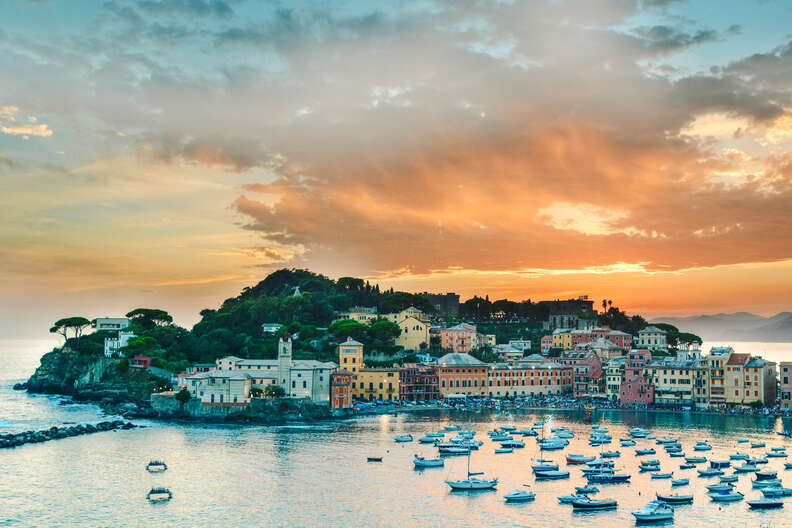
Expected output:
(642, 452)
(610, 454)
(578, 459)
(585, 490)
(656, 510)
(403, 438)
(776, 454)
(608, 478)
(472, 483)
(519, 496)
(777, 492)
(710, 472)
(567, 499)
(739, 456)
(544, 466)
(720, 487)
(765, 504)
(373, 459)
(726, 496)
(680, 482)
(421, 462)
(757, 445)
(787, 465)
(588, 504)
(156, 466)
(428, 439)
(658, 476)
(695, 460)
(675, 498)
(551, 475)
(687, 465)
(729, 478)
(746, 468)
(159, 495)
(503, 450)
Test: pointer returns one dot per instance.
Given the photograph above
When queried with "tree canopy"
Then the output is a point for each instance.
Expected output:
(75, 324)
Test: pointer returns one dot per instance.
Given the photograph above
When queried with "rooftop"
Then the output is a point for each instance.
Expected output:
(460, 360)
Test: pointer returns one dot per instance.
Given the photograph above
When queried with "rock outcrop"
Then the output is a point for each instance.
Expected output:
(56, 433)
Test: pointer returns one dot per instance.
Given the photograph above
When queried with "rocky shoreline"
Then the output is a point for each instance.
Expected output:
(56, 433)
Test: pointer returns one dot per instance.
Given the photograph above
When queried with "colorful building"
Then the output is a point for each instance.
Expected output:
(614, 377)
(418, 382)
(461, 374)
(652, 338)
(376, 383)
(546, 343)
(637, 388)
(460, 339)
(341, 390)
(350, 355)
(717, 369)
(528, 378)
(584, 365)
(785, 384)
(414, 334)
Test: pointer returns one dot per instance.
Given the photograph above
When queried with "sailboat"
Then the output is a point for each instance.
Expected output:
(471, 482)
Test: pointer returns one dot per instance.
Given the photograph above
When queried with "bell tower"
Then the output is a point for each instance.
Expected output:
(285, 363)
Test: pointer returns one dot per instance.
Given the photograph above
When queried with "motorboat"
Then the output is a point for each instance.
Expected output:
(642, 452)
(515, 444)
(765, 504)
(739, 456)
(687, 465)
(501, 438)
(761, 484)
(610, 454)
(507, 428)
(159, 495)
(649, 463)
(519, 496)
(778, 448)
(777, 492)
(503, 450)
(666, 440)
(766, 474)
(588, 504)
(428, 439)
(527, 432)
(472, 483)
(449, 428)
(680, 454)
(578, 459)
(656, 510)
(729, 478)
(695, 460)
(637, 432)
(746, 468)
(719, 464)
(156, 466)
(627, 442)
(680, 482)
(757, 461)
(702, 446)
(742, 440)
(551, 446)
(757, 445)
(373, 459)
(720, 487)
(563, 433)
(673, 450)
(544, 466)
(608, 478)
(551, 475)
(787, 465)
(454, 450)
(776, 454)
(710, 472)
(585, 490)
(435, 435)
(659, 476)
(404, 438)
(675, 498)
(595, 470)
(421, 462)
(567, 499)
(726, 496)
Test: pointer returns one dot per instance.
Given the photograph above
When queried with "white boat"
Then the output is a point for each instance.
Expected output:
(519, 496)
(454, 450)
(658, 476)
(472, 483)
(777, 492)
(656, 510)
(770, 483)
(551, 475)
(156, 466)
(726, 496)
(720, 487)
(544, 466)
(567, 499)
(588, 504)
(746, 468)
(159, 495)
(448, 428)
(637, 432)
(403, 438)
(421, 462)
(702, 446)
(503, 450)
(757, 445)
(680, 482)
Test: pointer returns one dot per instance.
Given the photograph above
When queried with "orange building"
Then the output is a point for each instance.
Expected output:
(461, 374)
(341, 390)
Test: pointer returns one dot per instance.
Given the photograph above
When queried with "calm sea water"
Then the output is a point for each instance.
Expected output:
(318, 475)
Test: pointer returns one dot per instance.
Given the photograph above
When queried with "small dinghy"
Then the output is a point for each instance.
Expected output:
(767, 474)
(159, 495)
(610, 454)
(156, 466)
(545, 466)
(428, 439)
(403, 438)
(720, 487)
(739, 456)
(675, 498)
(765, 504)
(552, 475)
(729, 478)
(656, 510)
(680, 482)
(787, 465)
(642, 452)
(421, 462)
(659, 476)
(778, 449)
(627, 442)
(702, 447)
(757, 445)
(746, 468)
(710, 472)
(742, 441)
(695, 460)
(681, 454)
(567, 499)
(587, 504)
(608, 478)
(687, 466)
(578, 459)
(373, 459)
(761, 484)
(503, 450)
(776, 454)
(726, 496)
(519, 496)
(514, 444)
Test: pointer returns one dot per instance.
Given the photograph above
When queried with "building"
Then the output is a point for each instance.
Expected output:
(785, 384)
(418, 382)
(414, 334)
(575, 314)
(446, 304)
(614, 377)
(636, 387)
(716, 361)
(350, 355)
(461, 374)
(546, 343)
(562, 338)
(528, 378)
(753, 382)
(270, 328)
(584, 366)
(602, 348)
(361, 314)
(142, 362)
(652, 338)
(220, 387)
(113, 345)
(412, 311)
(621, 339)
(507, 352)
(673, 381)
(110, 323)
(733, 380)
(489, 340)
(341, 390)
(376, 383)
(459, 339)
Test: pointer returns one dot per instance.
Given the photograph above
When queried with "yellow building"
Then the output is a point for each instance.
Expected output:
(376, 384)
(413, 333)
(350, 356)
(562, 339)
(412, 311)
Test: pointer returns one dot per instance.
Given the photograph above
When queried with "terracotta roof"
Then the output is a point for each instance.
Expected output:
(738, 359)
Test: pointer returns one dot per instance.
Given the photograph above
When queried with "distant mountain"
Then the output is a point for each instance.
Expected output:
(740, 326)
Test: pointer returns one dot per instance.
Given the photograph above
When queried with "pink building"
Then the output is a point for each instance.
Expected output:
(546, 343)
(620, 339)
(636, 388)
(585, 365)
(460, 339)
(617, 337)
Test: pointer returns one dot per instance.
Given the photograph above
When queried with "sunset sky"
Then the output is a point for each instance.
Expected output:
(167, 153)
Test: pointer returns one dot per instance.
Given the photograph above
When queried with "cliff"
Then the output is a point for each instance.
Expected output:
(259, 411)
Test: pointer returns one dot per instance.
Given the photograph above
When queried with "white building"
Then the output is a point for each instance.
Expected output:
(652, 338)
(112, 345)
(270, 328)
(302, 378)
(111, 323)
